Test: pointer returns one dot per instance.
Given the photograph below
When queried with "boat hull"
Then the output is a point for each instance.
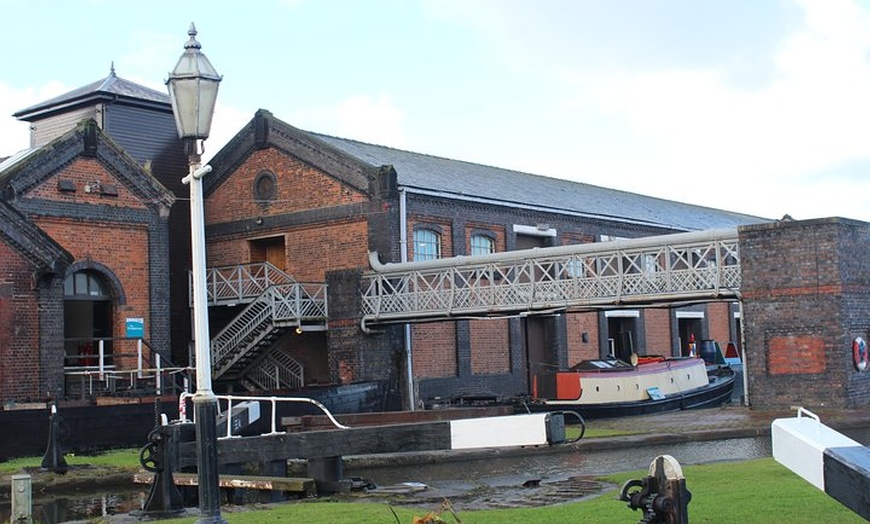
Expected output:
(716, 393)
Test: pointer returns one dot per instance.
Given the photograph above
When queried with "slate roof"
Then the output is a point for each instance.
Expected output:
(469, 180)
(110, 88)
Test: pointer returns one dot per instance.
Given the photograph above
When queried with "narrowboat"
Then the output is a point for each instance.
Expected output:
(614, 388)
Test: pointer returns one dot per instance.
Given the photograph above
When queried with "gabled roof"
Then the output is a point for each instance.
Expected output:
(111, 88)
(354, 162)
(28, 168)
(31, 242)
(264, 130)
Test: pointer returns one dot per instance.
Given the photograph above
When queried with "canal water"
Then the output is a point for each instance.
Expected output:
(491, 482)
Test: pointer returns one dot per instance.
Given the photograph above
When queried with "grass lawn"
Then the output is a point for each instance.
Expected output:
(747, 492)
(756, 491)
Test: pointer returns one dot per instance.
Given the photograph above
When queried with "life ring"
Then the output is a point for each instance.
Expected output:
(859, 354)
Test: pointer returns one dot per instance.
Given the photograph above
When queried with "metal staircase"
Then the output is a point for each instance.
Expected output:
(275, 302)
(276, 370)
(669, 268)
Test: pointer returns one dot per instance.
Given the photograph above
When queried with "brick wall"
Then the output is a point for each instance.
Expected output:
(90, 178)
(806, 295)
(299, 186)
(719, 322)
(434, 350)
(576, 325)
(657, 326)
(121, 248)
(87, 206)
(489, 346)
(19, 329)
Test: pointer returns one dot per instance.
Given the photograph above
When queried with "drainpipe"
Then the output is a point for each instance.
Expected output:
(403, 249)
(745, 359)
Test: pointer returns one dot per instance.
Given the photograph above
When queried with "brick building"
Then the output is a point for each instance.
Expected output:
(91, 235)
(315, 206)
(84, 248)
(87, 238)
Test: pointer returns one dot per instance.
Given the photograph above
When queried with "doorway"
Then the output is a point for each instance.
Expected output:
(88, 311)
(621, 336)
(689, 333)
(271, 250)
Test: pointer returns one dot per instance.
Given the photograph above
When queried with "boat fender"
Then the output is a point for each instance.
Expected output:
(859, 354)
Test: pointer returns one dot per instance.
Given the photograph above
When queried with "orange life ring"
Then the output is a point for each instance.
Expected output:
(859, 354)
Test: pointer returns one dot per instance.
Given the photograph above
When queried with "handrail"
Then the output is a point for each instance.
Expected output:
(105, 364)
(666, 268)
(182, 409)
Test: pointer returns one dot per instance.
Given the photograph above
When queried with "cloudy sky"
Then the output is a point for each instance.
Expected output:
(757, 106)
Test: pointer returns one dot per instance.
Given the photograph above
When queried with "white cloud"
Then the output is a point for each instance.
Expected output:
(14, 134)
(711, 139)
(226, 123)
(364, 118)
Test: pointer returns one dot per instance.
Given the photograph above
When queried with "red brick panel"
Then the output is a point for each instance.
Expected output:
(577, 324)
(434, 350)
(299, 187)
(657, 323)
(793, 355)
(719, 322)
(19, 329)
(90, 179)
(490, 346)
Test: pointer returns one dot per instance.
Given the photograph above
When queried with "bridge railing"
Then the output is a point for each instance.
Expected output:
(683, 266)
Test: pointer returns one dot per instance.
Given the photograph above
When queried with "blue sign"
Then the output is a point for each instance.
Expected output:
(136, 327)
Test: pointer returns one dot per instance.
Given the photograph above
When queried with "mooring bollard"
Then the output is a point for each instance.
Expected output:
(662, 495)
(22, 499)
(53, 458)
(158, 457)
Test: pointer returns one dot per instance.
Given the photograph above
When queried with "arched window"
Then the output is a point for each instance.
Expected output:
(84, 285)
(427, 245)
(482, 245)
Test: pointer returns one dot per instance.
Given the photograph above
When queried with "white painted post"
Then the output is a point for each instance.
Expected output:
(139, 352)
(158, 376)
(22, 498)
(102, 360)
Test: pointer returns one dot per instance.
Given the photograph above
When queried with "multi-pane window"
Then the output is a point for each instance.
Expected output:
(482, 245)
(427, 245)
(83, 284)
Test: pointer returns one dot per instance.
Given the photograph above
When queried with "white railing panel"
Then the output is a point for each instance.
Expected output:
(669, 267)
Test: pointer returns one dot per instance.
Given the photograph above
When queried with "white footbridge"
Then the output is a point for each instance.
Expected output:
(683, 267)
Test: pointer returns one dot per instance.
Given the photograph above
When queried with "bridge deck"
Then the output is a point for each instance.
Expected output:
(669, 268)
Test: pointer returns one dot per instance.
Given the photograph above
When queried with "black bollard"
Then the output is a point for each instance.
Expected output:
(661, 496)
(53, 458)
(164, 498)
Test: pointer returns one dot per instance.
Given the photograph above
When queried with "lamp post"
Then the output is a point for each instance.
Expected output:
(193, 86)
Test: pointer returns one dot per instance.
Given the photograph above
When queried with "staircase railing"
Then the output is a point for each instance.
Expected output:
(285, 305)
(241, 283)
(277, 370)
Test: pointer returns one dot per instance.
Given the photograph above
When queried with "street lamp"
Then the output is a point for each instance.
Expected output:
(193, 87)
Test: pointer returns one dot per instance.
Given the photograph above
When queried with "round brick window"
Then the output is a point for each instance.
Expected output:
(265, 186)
